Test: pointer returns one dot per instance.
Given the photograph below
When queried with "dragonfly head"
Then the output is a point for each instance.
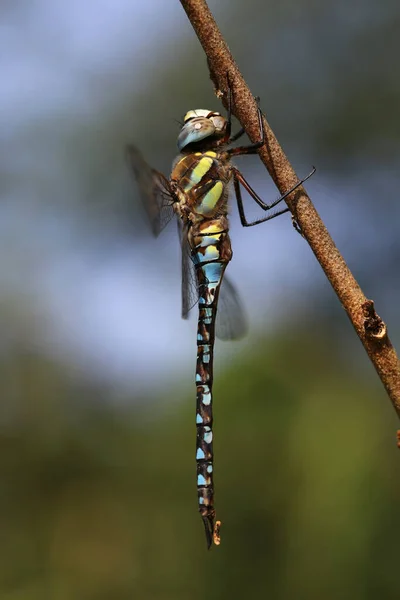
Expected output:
(201, 125)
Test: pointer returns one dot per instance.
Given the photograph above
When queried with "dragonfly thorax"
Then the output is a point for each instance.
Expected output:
(201, 127)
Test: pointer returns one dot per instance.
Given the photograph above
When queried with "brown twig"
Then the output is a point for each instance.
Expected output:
(369, 327)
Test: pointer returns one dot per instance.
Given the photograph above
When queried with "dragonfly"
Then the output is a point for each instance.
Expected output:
(197, 193)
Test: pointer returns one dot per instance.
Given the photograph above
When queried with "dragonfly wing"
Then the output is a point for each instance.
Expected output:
(190, 293)
(231, 322)
(155, 192)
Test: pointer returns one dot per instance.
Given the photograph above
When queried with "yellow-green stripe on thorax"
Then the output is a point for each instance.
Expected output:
(197, 175)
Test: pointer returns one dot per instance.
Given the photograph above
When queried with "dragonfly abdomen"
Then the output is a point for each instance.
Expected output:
(211, 251)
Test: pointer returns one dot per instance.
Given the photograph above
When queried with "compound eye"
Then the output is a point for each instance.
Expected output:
(218, 121)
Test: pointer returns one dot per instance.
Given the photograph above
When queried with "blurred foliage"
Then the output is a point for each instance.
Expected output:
(100, 502)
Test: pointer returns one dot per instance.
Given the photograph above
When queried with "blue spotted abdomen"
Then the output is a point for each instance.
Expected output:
(211, 251)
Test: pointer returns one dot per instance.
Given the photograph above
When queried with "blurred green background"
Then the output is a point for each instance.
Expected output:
(97, 470)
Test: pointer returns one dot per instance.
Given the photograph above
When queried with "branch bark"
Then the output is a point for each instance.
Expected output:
(371, 330)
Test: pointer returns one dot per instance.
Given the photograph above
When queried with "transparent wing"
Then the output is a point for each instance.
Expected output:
(190, 293)
(231, 323)
(158, 199)
(156, 195)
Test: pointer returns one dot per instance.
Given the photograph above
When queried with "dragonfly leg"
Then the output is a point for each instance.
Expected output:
(236, 136)
(297, 227)
(241, 131)
(229, 116)
(238, 180)
(242, 216)
(228, 138)
(251, 148)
